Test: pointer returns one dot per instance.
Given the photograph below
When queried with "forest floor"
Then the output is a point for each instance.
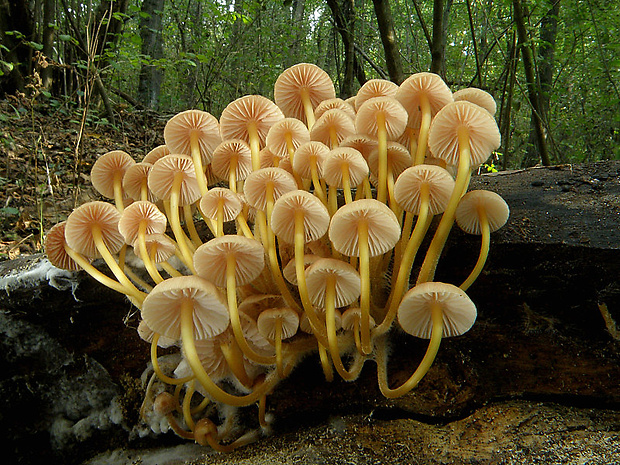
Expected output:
(46, 153)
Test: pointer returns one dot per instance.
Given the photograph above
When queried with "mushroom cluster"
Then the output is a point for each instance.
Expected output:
(286, 228)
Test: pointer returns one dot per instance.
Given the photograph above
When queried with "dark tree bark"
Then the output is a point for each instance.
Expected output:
(546, 57)
(388, 39)
(16, 17)
(438, 44)
(530, 76)
(344, 18)
(49, 33)
(151, 77)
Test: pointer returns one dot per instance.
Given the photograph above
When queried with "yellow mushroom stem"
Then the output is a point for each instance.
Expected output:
(346, 183)
(316, 182)
(425, 124)
(191, 355)
(328, 372)
(330, 320)
(175, 224)
(118, 191)
(318, 328)
(484, 250)
(242, 224)
(308, 110)
(278, 346)
(232, 174)
(254, 142)
(290, 148)
(404, 269)
(157, 369)
(333, 138)
(165, 404)
(104, 279)
(332, 200)
(144, 190)
(219, 219)
(423, 367)
(364, 270)
(383, 162)
(206, 433)
(172, 271)
(191, 227)
(390, 189)
(463, 175)
(235, 321)
(114, 267)
(186, 405)
(145, 256)
(194, 145)
(234, 359)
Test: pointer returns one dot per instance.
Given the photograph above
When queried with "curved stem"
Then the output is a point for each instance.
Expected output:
(330, 320)
(191, 227)
(318, 189)
(235, 321)
(484, 250)
(191, 355)
(325, 363)
(157, 369)
(427, 272)
(234, 359)
(145, 256)
(425, 108)
(175, 223)
(423, 367)
(186, 406)
(118, 191)
(168, 268)
(364, 270)
(308, 110)
(382, 147)
(278, 346)
(346, 183)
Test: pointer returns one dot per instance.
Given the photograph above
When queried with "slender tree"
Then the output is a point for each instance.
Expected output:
(388, 39)
(151, 75)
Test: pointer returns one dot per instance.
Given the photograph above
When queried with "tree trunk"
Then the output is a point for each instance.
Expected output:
(15, 16)
(546, 57)
(151, 76)
(388, 38)
(49, 30)
(344, 18)
(530, 76)
(438, 45)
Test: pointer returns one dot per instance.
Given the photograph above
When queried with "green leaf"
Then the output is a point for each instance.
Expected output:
(9, 211)
(64, 37)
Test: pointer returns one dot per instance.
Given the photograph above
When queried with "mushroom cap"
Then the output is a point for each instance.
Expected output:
(266, 322)
(159, 247)
(383, 227)
(363, 143)
(315, 216)
(79, 228)
(290, 273)
(250, 109)
(352, 316)
(146, 334)
(236, 150)
(255, 186)
(253, 305)
(180, 129)
(393, 112)
(302, 162)
(162, 307)
(414, 312)
(133, 179)
(332, 120)
(418, 84)
(484, 136)
(478, 96)
(347, 280)
(440, 186)
(473, 202)
(210, 259)
(231, 204)
(375, 88)
(137, 212)
(302, 77)
(284, 129)
(398, 159)
(344, 158)
(108, 167)
(55, 248)
(155, 154)
(332, 103)
(161, 178)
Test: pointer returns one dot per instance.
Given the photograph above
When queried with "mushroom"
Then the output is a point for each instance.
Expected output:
(308, 163)
(190, 308)
(334, 284)
(385, 118)
(159, 248)
(158, 152)
(332, 127)
(343, 167)
(231, 262)
(220, 205)
(481, 212)
(92, 230)
(249, 118)
(195, 133)
(461, 134)
(232, 161)
(364, 228)
(277, 324)
(478, 96)
(424, 93)
(285, 137)
(332, 103)
(430, 310)
(375, 88)
(173, 178)
(135, 182)
(351, 321)
(107, 173)
(300, 89)
(398, 160)
(137, 220)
